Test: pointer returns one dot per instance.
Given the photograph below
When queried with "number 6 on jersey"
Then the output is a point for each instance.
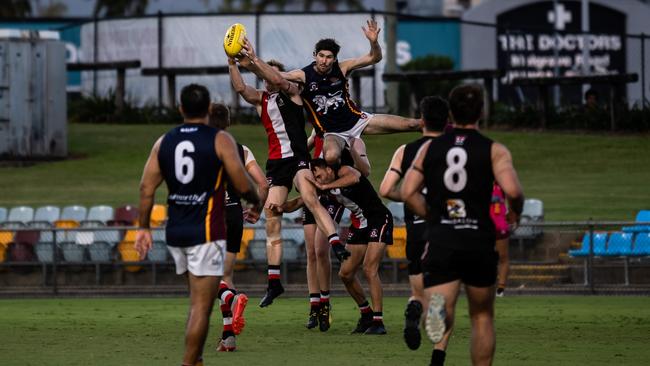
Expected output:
(184, 165)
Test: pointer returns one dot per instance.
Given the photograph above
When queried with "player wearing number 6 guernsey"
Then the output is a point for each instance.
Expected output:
(194, 160)
(458, 170)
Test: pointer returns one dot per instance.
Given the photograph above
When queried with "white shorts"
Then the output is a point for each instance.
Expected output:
(355, 131)
(201, 260)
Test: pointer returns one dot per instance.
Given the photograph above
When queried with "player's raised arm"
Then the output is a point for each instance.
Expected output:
(411, 190)
(151, 179)
(250, 94)
(226, 150)
(297, 76)
(506, 177)
(347, 176)
(372, 57)
(265, 71)
(389, 185)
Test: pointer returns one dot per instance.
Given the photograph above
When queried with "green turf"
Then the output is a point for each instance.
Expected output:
(530, 331)
(576, 175)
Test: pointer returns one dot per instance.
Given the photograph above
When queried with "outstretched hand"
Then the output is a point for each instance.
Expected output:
(246, 56)
(372, 32)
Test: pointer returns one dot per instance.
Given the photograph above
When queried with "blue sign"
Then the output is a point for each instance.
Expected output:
(430, 37)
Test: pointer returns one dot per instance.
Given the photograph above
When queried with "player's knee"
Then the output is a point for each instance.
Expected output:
(332, 156)
(346, 277)
(273, 225)
(370, 272)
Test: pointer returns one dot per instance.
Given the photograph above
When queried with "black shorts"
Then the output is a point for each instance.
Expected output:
(334, 208)
(414, 250)
(280, 172)
(473, 268)
(234, 228)
(379, 229)
(416, 240)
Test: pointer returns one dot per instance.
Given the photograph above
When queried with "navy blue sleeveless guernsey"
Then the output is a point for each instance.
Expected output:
(458, 177)
(195, 179)
(327, 100)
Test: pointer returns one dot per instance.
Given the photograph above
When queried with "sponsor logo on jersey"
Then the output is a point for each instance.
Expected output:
(189, 199)
(456, 209)
(189, 129)
(460, 140)
(313, 86)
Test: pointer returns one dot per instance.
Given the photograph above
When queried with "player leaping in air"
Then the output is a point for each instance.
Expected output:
(280, 108)
(327, 99)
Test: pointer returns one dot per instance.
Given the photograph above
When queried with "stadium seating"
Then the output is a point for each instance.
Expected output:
(619, 244)
(99, 214)
(20, 214)
(73, 252)
(247, 236)
(22, 247)
(158, 252)
(158, 215)
(295, 233)
(100, 251)
(290, 250)
(397, 210)
(66, 235)
(44, 252)
(74, 213)
(641, 245)
(3, 214)
(533, 212)
(599, 242)
(158, 234)
(641, 216)
(46, 214)
(398, 249)
(126, 215)
(129, 254)
(257, 249)
(6, 237)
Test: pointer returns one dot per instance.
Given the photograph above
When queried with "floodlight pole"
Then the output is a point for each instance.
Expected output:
(392, 88)
(556, 56)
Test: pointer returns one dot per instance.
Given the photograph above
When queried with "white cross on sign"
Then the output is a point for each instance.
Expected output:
(560, 17)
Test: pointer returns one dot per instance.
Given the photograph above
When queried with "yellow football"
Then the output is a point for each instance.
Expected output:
(234, 39)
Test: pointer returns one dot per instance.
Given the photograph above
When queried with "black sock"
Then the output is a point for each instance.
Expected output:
(438, 357)
(274, 275)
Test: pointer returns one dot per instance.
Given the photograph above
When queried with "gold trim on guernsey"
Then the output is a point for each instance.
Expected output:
(316, 121)
(208, 234)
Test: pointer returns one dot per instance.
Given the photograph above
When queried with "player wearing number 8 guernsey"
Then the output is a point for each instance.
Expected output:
(194, 160)
(458, 170)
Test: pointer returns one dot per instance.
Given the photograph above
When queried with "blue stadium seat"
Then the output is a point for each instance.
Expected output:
(74, 213)
(44, 252)
(641, 245)
(397, 210)
(641, 216)
(290, 250)
(100, 251)
(101, 214)
(295, 233)
(619, 244)
(599, 241)
(22, 214)
(3, 214)
(47, 214)
(257, 249)
(158, 252)
(73, 252)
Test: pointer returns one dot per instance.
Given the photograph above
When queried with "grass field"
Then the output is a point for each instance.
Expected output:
(530, 331)
(576, 175)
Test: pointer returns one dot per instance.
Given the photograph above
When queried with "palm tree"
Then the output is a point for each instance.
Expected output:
(15, 9)
(117, 8)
